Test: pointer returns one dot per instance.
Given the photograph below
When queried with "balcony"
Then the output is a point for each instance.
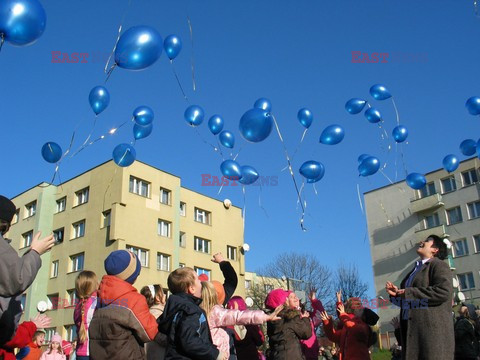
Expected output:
(431, 202)
(421, 234)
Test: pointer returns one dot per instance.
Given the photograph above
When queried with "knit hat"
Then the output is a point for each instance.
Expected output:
(203, 277)
(123, 264)
(66, 347)
(7, 209)
(220, 291)
(371, 318)
(57, 338)
(276, 298)
(241, 305)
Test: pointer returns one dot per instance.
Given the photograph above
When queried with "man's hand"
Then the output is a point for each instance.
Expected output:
(41, 321)
(324, 316)
(218, 258)
(395, 323)
(41, 246)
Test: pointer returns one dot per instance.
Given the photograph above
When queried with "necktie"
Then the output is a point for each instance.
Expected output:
(408, 283)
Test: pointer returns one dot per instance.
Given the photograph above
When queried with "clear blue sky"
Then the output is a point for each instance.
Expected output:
(297, 54)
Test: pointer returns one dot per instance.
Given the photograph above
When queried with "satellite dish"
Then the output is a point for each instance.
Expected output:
(249, 301)
(42, 306)
(246, 247)
(455, 283)
(461, 296)
(227, 203)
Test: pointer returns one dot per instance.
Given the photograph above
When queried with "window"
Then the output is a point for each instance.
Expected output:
(202, 216)
(76, 262)
(58, 235)
(183, 209)
(27, 239)
(30, 209)
(183, 239)
(474, 210)
(248, 284)
(49, 334)
(181, 265)
(164, 227)
(61, 204)
(165, 196)
(428, 190)
(268, 287)
(72, 297)
(78, 229)
(202, 245)
(163, 262)
(466, 281)
(469, 177)
(71, 332)
(460, 248)
(449, 184)
(142, 254)
(476, 241)
(106, 218)
(81, 196)
(201, 271)
(139, 187)
(52, 301)
(231, 252)
(54, 269)
(16, 216)
(432, 221)
(454, 215)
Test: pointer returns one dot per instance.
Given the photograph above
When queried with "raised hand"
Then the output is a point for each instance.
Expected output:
(217, 258)
(41, 246)
(392, 290)
(41, 321)
(274, 316)
(341, 308)
(339, 295)
(324, 316)
(313, 294)
(395, 323)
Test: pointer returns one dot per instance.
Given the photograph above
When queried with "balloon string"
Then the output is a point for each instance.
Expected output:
(192, 59)
(239, 151)
(396, 156)
(390, 180)
(360, 198)
(403, 162)
(220, 148)
(291, 171)
(2, 40)
(301, 191)
(396, 111)
(206, 142)
(110, 72)
(178, 80)
(88, 137)
(244, 210)
(315, 189)
(298, 147)
(220, 190)
(260, 202)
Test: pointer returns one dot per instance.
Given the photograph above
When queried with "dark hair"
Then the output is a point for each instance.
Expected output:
(440, 245)
(151, 298)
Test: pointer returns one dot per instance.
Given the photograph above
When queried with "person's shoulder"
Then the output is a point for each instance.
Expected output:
(439, 263)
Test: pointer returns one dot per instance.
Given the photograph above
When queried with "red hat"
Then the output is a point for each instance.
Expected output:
(203, 277)
(276, 298)
(66, 347)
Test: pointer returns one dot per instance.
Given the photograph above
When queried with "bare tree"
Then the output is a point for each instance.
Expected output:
(347, 279)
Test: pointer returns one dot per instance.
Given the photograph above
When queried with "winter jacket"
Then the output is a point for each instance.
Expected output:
(22, 338)
(246, 340)
(31, 352)
(466, 344)
(284, 335)
(354, 338)
(52, 356)
(122, 322)
(186, 327)
(156, 349)
(89, 309)
(310, 346)
(220, 318)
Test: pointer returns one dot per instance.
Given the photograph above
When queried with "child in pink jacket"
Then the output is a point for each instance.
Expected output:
(54, 351)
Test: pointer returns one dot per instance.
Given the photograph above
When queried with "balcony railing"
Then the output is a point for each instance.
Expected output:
(427, 203)
(422, 233)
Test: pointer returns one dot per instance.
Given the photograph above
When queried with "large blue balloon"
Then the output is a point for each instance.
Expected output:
(215, 124)
(305, 117)
(380, 92)
(227, 139)
(468, 147)
(332, 135)
(362, 157)
(249, 175)
(263, 104)
(368, 166)
(231, 170)
(143, 115)
(400, 133)
(354, 106)
(450, 163)
(416, 181)
(51, 152)
(373, 115)
(138, 48)
(141, 131)
(22, 22)
(312, 170)
(172, 45)
(255, 125)
(473, 105)
(124, 155)
(99, 99)
(194, 115)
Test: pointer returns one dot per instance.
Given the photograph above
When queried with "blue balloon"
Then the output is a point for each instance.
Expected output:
(332, 135)
(311, 181)
(368, 166)
(400, 133)
(124, 155)
(263, 104)
(194, 115)
(373, 115)
(354, 106)
(380, 92)
(231, 170)
(215, 124)
(142, 131)
(227, 139)
(172, 46)
(362, 157)
(450, 163)
(255, 125)
(416, 181)
(143, 115)
(468, 147)
(22, 22)
(473, 105)
(312, 170)
(51, 152)
(99, 99)
(305, 117)
(138, 48)
(249, 175)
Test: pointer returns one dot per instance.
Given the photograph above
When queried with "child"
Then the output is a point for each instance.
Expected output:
(54, 351)
(184, 322)
(34, 349)
(156, 300)
(86, 286)
(122, 322)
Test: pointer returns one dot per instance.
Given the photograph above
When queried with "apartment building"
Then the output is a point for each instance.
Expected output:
(139, 208)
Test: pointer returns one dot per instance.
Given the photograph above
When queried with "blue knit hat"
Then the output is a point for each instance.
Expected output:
(123, 264)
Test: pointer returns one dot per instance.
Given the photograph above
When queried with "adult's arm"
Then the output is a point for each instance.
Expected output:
(231, 279)
(332, 334)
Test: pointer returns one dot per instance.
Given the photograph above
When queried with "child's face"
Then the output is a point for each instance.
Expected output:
(39, 340)
(55, 345)
(196, 288)
(292, 301)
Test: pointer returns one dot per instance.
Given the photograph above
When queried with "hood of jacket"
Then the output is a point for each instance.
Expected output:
(175, 303)
(114, 291)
